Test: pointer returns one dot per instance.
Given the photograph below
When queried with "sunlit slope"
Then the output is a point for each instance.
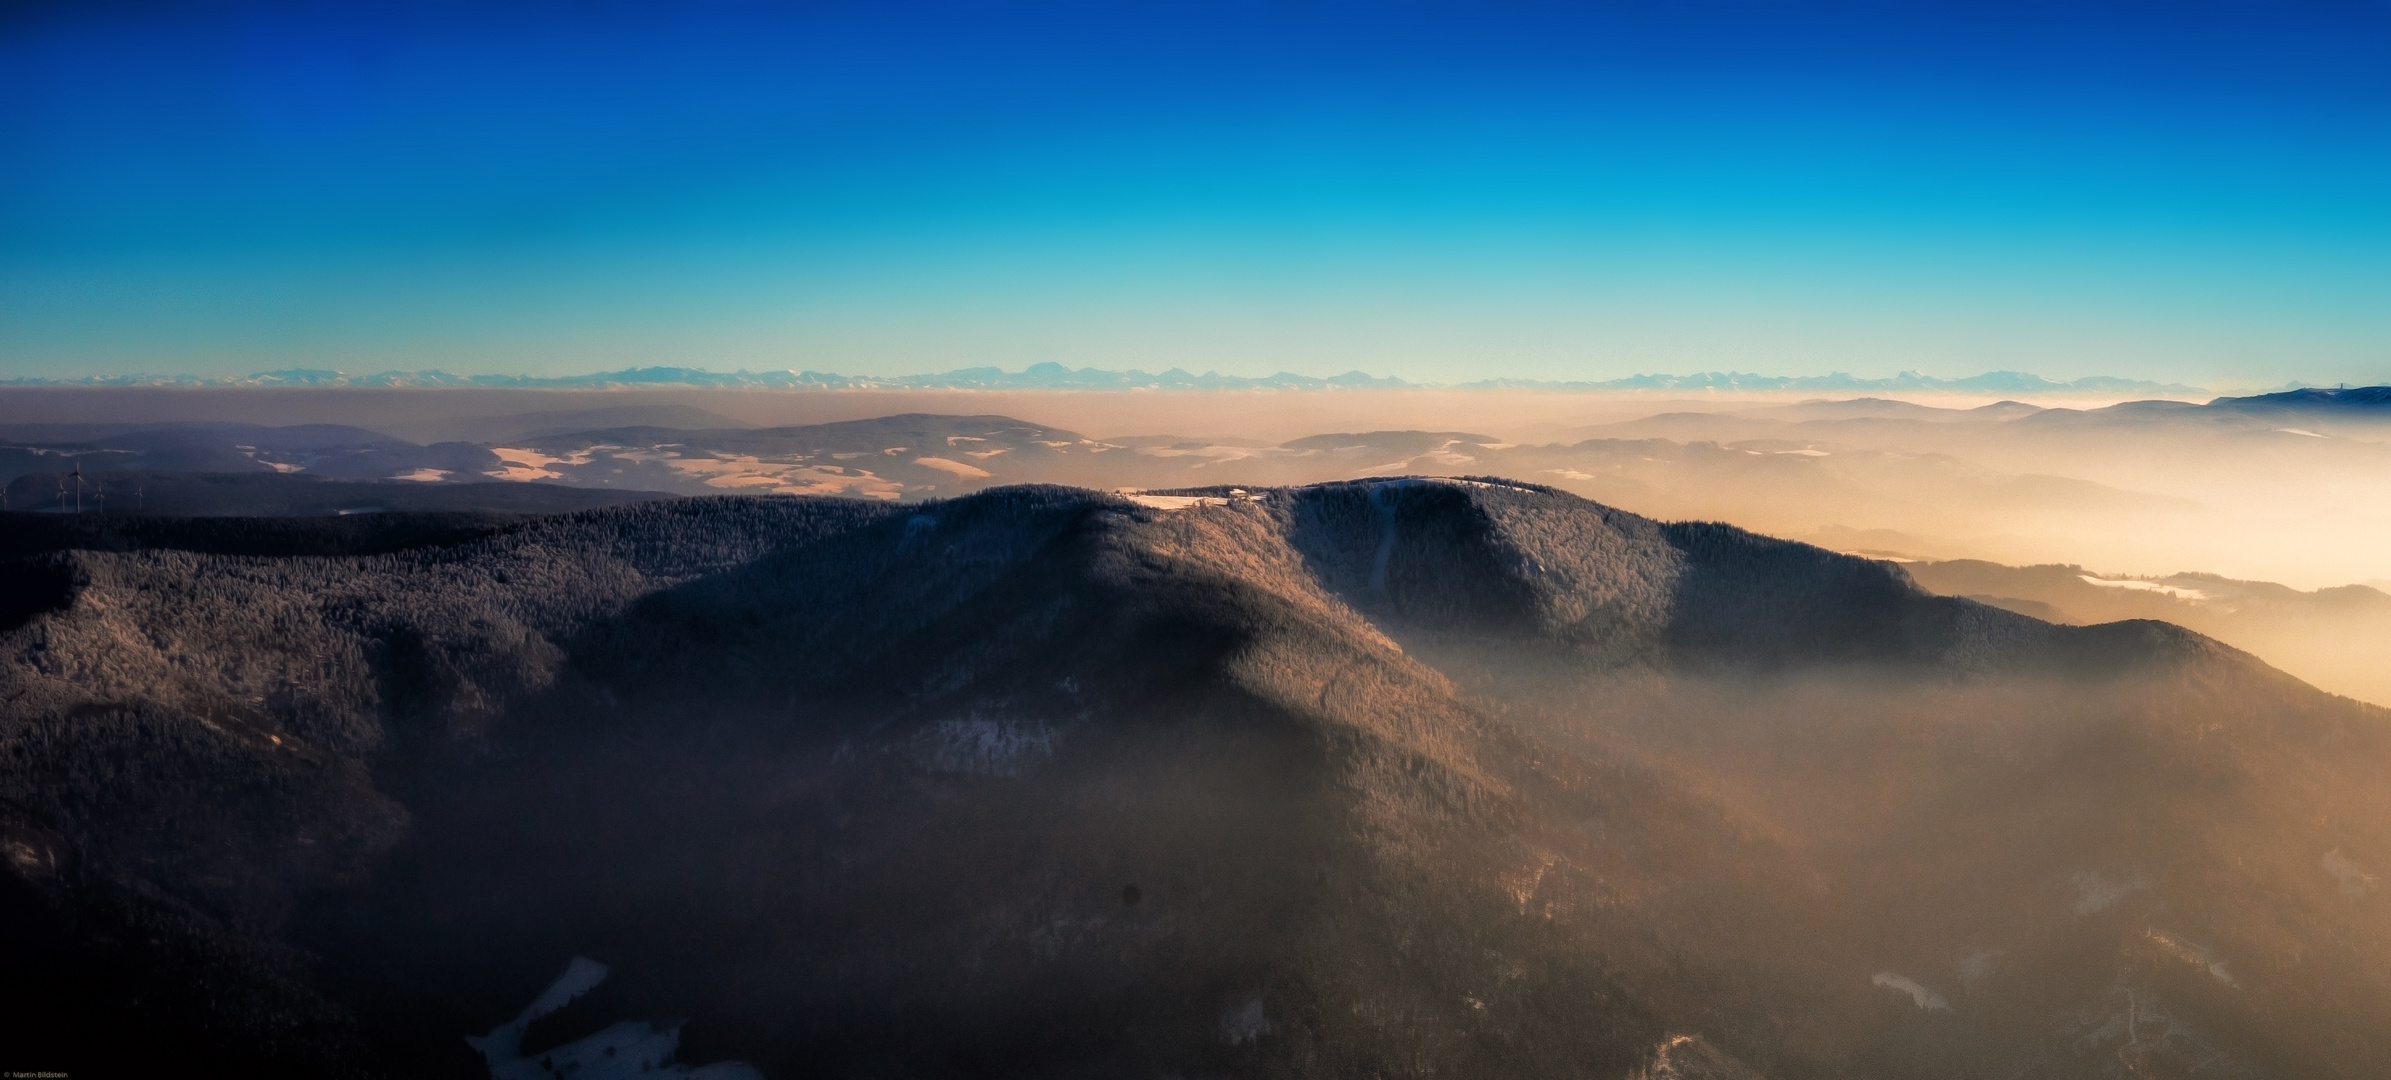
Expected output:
(1378, 778)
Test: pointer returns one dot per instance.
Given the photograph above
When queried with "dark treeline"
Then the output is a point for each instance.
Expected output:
(273, 537)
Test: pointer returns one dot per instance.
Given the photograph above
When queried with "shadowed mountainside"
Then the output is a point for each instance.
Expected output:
(1394, 777)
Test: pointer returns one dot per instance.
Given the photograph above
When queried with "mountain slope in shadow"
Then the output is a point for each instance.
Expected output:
(1397, 777)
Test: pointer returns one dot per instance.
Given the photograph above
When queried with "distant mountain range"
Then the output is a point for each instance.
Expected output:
(2314, 400)
(1991, 382)
(1052, 376)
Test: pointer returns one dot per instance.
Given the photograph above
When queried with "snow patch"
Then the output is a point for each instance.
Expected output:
(985, 747)
(634, 1048)
(249, 452)
(423, 476)
(2176, 591)
(748, 472)
(1241, 1024)
(525, 464)
(1210, 453)
(1976, 967)
(2095, 893)
(2353, 879)
(1175, 502)
(968, 472)
(1923, 995)
(2190, 954)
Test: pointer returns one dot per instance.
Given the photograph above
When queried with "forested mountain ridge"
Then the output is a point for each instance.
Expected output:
(1399, 777)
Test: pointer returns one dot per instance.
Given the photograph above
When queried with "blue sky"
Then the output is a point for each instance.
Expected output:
(2190, 192)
